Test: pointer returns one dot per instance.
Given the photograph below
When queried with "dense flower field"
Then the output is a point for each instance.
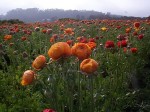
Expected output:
(75, 66)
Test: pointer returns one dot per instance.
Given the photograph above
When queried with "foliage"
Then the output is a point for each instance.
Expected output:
(119, 84)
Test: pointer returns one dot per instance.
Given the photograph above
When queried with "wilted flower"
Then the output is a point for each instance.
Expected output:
(49, 31)
(121, 37)
(89, 66)
(37, 29)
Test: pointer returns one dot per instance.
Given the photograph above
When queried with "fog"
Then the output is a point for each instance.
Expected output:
(138, 8)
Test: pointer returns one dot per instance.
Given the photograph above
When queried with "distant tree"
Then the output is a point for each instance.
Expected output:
(34, 14)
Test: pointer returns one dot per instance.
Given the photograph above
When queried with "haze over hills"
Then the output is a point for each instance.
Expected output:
(35, 14)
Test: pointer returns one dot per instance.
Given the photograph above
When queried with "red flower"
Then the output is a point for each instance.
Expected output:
(122, 43)
(118, 27)
(44, 31)
(109, 44)
(135, 33)
(140, 36)
(48, 110)
(133, 50)
(125, 50)
(70, 42)
(91, 40)
(23, 38)
(137, 24)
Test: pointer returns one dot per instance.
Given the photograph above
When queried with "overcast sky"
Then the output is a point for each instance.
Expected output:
(139, 8)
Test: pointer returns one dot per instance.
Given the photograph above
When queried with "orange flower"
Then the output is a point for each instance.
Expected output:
(39, 62)
(81, 50)
(69, 31)
(89, 66)
(58, 50)
(92, 45)
(128, 30)
(28, 77)
(52, 39)
(44, 31)
(7, 37)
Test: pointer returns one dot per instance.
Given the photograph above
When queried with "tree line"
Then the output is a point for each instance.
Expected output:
(35, 14)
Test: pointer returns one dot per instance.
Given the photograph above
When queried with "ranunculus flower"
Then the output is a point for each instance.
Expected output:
(81, 51)
(44, 31)
(70, 42)
(109, 44)
(48, 110)
(39, 62)
(140, 36)
(137, 24)
(58, 50)
(89, 66)
(91, 40)
(92, 45)
(28, 77)
(121, 37)
(122, 43)
(7, 37)
(68, 31)
(49, 31)
(128, 30)
(133, 50)
(103, 28)
(37, 29)
(23, 38)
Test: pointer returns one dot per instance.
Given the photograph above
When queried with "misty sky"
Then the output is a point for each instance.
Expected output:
(139, 8)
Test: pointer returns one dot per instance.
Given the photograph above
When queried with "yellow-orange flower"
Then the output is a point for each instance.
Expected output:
(103, 28)
(58, 50)
(88, 66)
(81, 50)
(7, 37)
(28, 77)
(39, 62)
(92, 45)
